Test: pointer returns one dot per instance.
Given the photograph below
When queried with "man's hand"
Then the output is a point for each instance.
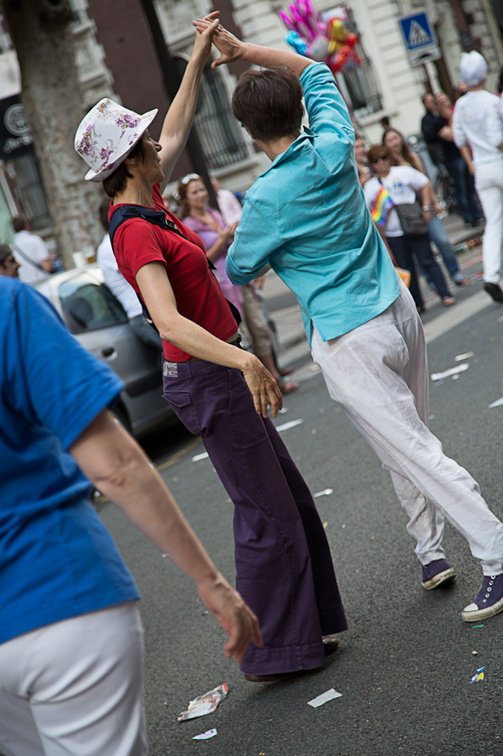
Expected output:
(263, 388)
(234, 615)
(230, 47)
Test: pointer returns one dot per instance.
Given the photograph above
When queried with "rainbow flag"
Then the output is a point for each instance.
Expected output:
(381, 207)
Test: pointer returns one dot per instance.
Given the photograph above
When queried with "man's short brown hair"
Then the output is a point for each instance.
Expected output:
(269, 103)
(18, 223)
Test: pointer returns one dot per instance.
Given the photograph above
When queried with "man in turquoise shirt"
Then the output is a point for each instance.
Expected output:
(306, 217)
(316, 238)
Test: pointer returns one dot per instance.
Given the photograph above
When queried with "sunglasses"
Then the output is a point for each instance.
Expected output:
(190, 177)
(380, 158)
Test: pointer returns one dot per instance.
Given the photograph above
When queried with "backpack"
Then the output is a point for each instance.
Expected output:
(158, 218)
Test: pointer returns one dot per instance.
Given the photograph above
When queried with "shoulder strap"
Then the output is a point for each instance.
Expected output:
(126, 212)
(25, 256)
(158, 218)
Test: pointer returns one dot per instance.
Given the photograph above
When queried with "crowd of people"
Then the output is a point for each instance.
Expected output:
(307, 218)
(465, 142)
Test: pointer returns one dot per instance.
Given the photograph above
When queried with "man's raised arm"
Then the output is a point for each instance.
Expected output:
(231, 48)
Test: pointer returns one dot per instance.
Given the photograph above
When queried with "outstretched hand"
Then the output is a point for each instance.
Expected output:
(234, 615)
(229, 46)
(205, 34)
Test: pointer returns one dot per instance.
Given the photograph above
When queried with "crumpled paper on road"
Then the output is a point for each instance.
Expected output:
(205, 704)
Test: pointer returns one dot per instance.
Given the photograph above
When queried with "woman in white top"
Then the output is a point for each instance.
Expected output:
(401, 154)
(478, 132)
(402, 184)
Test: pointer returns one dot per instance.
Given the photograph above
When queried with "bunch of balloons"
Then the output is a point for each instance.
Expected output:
(324, 40)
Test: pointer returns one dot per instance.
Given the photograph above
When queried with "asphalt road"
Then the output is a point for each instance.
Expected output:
(405, 664)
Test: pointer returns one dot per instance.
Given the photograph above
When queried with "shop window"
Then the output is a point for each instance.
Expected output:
(218, 131)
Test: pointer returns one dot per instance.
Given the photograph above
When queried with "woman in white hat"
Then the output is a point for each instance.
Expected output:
(283, 562)
(478, 132)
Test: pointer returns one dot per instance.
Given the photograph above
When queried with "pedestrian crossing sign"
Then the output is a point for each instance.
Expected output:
(419, 38)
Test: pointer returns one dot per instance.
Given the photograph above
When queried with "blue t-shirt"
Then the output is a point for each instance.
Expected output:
(306, 216)
(56, 558)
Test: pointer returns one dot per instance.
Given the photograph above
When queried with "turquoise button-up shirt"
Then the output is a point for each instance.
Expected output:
(306, 216)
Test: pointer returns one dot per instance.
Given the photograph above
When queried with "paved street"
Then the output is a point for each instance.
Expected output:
(405, 664)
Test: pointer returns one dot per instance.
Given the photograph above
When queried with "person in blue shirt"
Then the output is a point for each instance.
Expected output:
(71, 650)
(305, 216)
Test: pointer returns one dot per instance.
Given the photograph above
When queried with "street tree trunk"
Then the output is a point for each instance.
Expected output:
(42, 35)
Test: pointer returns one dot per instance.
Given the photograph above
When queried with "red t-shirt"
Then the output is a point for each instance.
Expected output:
(197, 292)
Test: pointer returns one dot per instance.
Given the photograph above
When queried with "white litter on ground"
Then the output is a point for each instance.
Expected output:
(329, 695)
(199, 457)
(205, 735)
(287, 426)
(452, 371)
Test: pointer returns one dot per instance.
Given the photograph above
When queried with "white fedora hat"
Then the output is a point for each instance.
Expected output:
(107, 134)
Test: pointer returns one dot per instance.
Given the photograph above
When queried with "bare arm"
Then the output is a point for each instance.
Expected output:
(178, 120)
(467, 157)
(446, 134)
(160, 300)
(231, 48)
(117, 466)
(428, 199)
(46, 264)
(224, 235)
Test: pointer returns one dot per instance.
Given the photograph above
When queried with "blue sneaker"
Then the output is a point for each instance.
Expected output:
(435, 573)
(487, 602)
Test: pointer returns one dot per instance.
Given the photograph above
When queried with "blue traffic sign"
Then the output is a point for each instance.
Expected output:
(417, 31)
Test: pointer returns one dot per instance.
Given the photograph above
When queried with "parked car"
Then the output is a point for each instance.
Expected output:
(98, 321)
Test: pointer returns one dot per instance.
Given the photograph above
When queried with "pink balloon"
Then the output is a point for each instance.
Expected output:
(286, 20)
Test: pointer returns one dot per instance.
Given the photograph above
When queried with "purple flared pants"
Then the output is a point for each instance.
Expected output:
(284, 568)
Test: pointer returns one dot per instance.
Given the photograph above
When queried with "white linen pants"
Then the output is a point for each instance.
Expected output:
(489, 185)
(74, 688)
(378, 374)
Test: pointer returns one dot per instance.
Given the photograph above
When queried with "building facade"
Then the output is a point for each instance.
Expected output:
(118, 55)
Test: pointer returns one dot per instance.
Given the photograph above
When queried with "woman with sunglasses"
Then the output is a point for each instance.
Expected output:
(401, 183)
(402, 155)
(284, 568)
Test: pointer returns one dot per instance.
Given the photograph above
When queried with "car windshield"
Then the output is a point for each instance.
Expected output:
(88, 304)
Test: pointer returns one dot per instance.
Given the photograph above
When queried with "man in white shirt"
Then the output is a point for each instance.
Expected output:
(31, 252)
(478, 132)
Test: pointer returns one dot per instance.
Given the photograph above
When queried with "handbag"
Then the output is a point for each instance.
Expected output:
(410, 216)
(411, 219)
